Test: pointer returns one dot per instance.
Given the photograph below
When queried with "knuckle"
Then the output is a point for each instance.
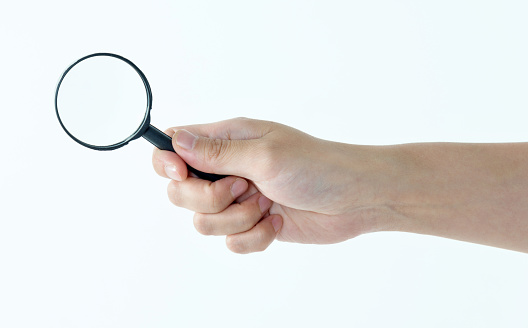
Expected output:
(249, 216)
(217, 204)
(174, 193)
(215, 201)
(243, 121)
(202, 224)
(236, 245)
(246, 223)
(216, 149)
(269, 152)
(261, 242)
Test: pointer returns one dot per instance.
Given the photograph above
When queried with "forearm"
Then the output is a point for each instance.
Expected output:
(470, 192)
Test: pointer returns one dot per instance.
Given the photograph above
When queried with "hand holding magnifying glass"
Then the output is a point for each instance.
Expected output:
(103, 101)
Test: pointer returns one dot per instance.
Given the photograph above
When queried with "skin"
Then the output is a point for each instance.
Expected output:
(293, 187)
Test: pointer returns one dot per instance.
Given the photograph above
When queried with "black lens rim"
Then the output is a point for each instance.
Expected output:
(146, 120)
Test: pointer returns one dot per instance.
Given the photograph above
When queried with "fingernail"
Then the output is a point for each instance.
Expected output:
(172, 173)
(264, 203)
(238, 187)
(276, 222)
(185, 139)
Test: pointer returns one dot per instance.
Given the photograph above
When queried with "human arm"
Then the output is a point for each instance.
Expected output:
(317, 191)
(470, 192)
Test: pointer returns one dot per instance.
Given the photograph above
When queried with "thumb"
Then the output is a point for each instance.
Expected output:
(219, 156)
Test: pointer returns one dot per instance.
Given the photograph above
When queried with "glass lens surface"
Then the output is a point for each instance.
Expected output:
(102, 101)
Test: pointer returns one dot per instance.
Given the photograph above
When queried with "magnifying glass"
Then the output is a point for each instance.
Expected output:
(103, 101)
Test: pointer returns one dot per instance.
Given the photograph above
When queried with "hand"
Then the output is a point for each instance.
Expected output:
(282, 184)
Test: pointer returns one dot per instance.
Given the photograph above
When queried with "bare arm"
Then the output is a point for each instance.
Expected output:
(470, 192)
(284, 184)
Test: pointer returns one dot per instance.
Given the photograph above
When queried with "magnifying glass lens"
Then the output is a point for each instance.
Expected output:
(102, 101)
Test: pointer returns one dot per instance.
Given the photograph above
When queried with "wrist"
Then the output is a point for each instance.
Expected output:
(376, 177)
(438, 183)
(395, 187)
(431, 183)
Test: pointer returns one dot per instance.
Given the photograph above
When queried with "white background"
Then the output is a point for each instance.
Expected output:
(89, 239)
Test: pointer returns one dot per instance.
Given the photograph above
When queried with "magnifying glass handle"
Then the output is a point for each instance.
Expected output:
(164, 142)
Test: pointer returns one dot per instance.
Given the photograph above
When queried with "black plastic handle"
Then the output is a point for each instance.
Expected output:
(164, 142)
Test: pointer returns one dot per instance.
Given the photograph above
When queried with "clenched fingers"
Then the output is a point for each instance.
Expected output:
(238, 217)
(205, 196)
(258, 238)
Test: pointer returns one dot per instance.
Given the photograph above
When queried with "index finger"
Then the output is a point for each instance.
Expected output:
(168, 164)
